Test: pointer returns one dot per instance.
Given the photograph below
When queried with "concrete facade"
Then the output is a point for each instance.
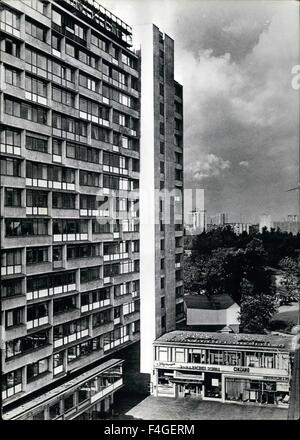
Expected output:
(70, 137)
(161, 191)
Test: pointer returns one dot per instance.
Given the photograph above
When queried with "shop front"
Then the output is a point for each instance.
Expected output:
(254, 390)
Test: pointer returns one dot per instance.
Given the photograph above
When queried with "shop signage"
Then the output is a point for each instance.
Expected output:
(224, 369)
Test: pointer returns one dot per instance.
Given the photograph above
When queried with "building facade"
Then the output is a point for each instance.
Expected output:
(161, 185)
(223, 367)
(70, 151)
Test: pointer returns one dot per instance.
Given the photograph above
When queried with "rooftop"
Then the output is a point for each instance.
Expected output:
(240, 339)
(108, 22)
(216, 302)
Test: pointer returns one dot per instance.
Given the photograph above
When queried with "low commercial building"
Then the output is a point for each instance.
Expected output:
(223, 367)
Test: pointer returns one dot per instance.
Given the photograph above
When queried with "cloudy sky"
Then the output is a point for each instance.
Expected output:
(234, 59)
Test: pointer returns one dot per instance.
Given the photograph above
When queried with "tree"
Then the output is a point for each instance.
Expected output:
(291, 278)
(191, 274)
(256, 309)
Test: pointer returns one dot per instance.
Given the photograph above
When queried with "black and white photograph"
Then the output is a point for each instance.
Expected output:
(150, 213)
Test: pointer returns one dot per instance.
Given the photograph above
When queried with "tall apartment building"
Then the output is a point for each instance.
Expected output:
(161, 186)
(69, 139)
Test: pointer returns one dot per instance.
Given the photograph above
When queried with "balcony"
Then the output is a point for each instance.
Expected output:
(37, 322)
(43, 183)
(113, 257)
(71, 338)
(17, 331)
(50, 291)
(95, 305)
(70, 237)
(11, 270)
(67, 315)
(27, 357)
(10, 149)
(35, 210)
(116, 343)
(94, 212)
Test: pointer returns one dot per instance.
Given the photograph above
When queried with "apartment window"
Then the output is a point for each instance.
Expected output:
(36, 198)
(64, 305)
(25, 111)
(24, 227)
(30, 342)
(37, 311)
(55, 410)
(83, 251)
(69, 402)
(99, 42)
(13, 197)
(162, 264)
(56, 17)
(11, 288)
(63, 200)
(63, 96)
(162, 302)
(83, 349)
(162, 283)
(12, 76)
(61, 174)
(37, 63)
(101, 228)
(11, 383)
(35, 86)
(12, 48)
(14, 317)
(58, 361)
(115, 161)
(39, 5)
(70, 227)
(80, 152)
(37, 143)
(87, 82)
(89, 274)
(10, 20)
(88, 178)
(101, 318)
(67, 124)
(10, 138)
(100, 134)
(37, 369)
(162, 128)
(81, 55)
(36, 255)
(73, 29)
(69, 328)
(161, 89)
(92, 108)
(35, 30)
(62, 74)
(11, 258)
(162, 245)
(119, 335)
(50, 281)
(129, 308)
(131, 62)
(55, 42)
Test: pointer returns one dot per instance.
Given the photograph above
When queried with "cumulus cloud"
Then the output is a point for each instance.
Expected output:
(210, 166)
(244, 163)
